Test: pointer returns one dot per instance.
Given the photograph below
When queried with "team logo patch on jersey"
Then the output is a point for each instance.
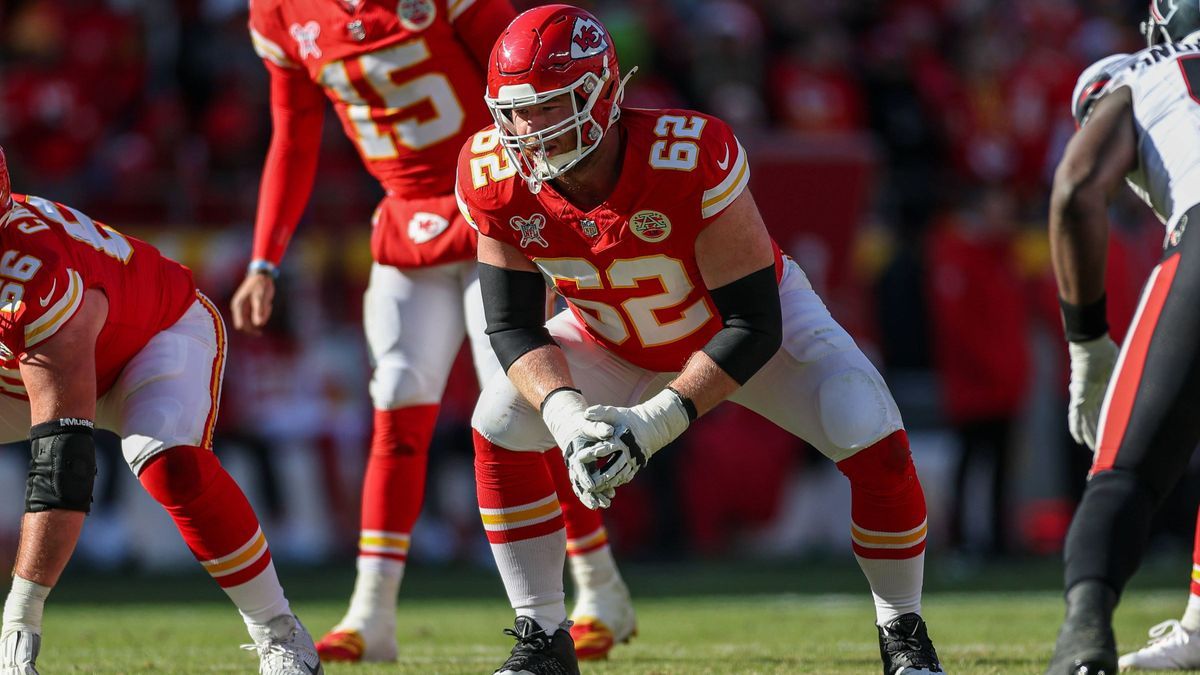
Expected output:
(587, 39)
(1176, 234)
(306, 37)
(530, 229)
(425, 226)
(416, 15)
(650, 226)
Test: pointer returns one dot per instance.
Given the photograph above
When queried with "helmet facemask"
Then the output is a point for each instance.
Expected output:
(528, 151)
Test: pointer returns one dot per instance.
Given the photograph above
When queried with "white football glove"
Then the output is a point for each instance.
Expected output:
(563, 412)
(640, 432)
(1092, 365)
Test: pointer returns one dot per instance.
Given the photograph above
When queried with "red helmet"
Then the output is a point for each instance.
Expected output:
(5, 185)
(546, 52)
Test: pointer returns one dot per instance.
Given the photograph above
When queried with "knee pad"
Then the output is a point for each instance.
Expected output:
(504, 417)
(62, 466)
(179, 475)
(397, 385)
(855, 409)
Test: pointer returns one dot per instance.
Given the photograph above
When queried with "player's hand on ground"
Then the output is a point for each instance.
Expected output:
(640, 432)
(252, 303)
(1092, 365)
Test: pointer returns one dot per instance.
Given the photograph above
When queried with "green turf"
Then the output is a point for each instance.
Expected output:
(698, 619)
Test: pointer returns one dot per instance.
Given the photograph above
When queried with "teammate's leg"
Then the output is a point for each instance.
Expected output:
(1148, 430)
(165, 407)
(823, 389)
(414, 326)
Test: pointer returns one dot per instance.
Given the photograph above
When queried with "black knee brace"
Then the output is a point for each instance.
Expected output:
(62, 466)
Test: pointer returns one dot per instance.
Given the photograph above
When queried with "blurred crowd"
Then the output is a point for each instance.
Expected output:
(152, 116)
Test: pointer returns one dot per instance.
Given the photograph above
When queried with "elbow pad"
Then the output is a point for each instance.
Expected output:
(753, 319)
(514, 304)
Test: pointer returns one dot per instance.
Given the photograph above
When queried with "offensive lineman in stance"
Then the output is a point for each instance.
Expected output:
(404, 77)
(99, 327)
(645, 226)
(1138, 117)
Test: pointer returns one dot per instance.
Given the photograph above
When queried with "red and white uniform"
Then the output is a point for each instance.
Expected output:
(160, 354)
(628, 267)
(406, 80)
(638, 306)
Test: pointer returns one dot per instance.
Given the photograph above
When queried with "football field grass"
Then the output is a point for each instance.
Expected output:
(697, 619)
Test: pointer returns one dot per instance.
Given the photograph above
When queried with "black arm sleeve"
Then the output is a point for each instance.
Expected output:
(753, 331)
(514, 304)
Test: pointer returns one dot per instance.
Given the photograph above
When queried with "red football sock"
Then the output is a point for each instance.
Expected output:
(394, 484)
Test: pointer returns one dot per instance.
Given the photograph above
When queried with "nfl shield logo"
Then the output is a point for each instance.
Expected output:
(589, 227)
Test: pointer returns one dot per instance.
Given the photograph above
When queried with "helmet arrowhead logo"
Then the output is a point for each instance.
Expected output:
(587, 38)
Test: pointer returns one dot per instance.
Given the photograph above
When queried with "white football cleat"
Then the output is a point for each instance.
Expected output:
(284, 647)
(603, 617)
(18, 652)
(373, 644)
(1171, 647)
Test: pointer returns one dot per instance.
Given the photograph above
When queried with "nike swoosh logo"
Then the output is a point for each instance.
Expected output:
(46, 299)
(724, 164)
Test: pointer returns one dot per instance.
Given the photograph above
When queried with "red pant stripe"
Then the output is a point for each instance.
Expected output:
(1123, 389)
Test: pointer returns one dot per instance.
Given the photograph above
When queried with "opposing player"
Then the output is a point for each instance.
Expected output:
(642, 221)
(99, 329)
(1139, 118)
(405, 78)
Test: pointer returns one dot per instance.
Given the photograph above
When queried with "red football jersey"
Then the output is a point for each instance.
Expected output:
(407, 89)
(49, 255)
(627, 267)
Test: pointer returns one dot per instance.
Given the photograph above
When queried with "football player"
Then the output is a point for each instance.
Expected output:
(1137, 406)
(99, 329)
(405, 77)
(678, 299)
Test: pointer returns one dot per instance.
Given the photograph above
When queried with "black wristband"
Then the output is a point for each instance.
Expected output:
(1084, 322)
(66, 424)
(688, 405)
(542, 407)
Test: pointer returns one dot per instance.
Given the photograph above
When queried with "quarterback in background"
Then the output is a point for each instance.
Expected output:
(404, 77)
(678, 299)
(99, 329)
(1136, 407)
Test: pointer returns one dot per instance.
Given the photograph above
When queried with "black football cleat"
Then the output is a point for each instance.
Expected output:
(905, 647)
(537, 653)
(1086, 645)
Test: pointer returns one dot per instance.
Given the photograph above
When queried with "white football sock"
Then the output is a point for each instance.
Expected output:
(260, 599)
(1191, 615)
(593, 569)
(895, 585)
(532, 573)
(375, 589)
(23, 608)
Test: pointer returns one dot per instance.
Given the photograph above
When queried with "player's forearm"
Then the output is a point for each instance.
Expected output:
(1079, 243)
(704, 383)
(288, 175)
(540, 372)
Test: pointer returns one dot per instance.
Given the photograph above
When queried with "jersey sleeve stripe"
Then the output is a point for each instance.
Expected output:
(715, 200)
(48, 324)
(462, 207)
(270, 51)
(457, 7)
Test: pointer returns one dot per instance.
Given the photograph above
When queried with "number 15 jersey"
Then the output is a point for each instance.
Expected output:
(406, 85)
(627, 267)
